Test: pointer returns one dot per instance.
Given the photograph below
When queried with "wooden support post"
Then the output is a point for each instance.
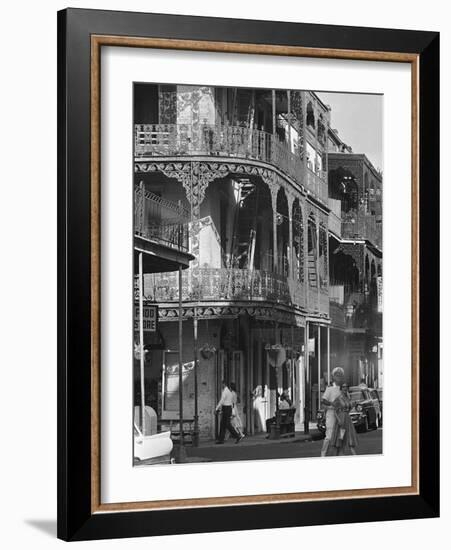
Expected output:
(317, 266)
(328, 355)
(196, 390)
(288, 136)
(141, 344)
(307, 379)
(319, 367)
(182, 452)
(273, 97)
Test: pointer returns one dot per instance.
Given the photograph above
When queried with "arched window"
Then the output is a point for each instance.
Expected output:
(323, 257)
(343, 187)
(310, 115)
(321, 130)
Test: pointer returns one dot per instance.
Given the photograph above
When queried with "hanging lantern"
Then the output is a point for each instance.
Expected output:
(276, 355)
(207, 351)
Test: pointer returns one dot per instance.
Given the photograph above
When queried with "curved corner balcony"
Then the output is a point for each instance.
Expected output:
(220, 284)
(217, 140)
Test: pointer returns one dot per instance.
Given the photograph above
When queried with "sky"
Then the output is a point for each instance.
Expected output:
(358, 119)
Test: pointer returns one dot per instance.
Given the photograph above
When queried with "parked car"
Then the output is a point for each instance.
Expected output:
(378, 394)
(366, 412)
(321, 421)
(152, 449)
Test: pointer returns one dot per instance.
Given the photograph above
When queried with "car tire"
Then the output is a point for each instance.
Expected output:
(366, 426)
(376, 422)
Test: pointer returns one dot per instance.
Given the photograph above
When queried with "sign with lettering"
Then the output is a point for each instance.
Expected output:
(379, 295)
(150, 316)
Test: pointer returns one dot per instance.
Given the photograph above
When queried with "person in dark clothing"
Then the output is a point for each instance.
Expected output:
(225, 406)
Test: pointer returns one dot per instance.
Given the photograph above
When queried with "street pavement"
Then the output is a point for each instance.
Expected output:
(262, 449)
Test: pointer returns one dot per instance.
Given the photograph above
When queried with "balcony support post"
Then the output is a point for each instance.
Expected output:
(274, 188)
(307, 379)
(319, 367)
(305, 251)
(288, 136)
(290, 200)
(328, 354)
(317, 266)
(182, 451)
(196, 364)
(141, 344)
(141, 208)
(273, 103)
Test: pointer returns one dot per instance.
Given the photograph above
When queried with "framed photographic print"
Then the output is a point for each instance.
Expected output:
(248, 274)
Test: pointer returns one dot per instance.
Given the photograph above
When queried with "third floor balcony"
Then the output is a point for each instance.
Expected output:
(362, 226)
(178, 140)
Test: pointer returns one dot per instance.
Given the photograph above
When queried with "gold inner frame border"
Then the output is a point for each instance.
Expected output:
(97, 41)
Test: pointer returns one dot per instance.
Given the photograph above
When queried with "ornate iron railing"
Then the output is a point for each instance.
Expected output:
(363, 227)
(160, 220)
(359, 310)
(334, 218)
(324, 301)
(220, 284)
(229, 141)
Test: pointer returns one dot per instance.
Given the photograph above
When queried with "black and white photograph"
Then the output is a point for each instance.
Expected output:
(257, 274)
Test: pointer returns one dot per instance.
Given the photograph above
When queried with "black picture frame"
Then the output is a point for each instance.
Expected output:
(76, 520)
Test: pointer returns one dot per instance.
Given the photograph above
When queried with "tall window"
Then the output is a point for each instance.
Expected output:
(322, 260)
(312, 253)
(310, 115)
(298, 241)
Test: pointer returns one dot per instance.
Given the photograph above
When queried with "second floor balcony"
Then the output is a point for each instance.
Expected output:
(161, 232)
(160, 220)
(217, 140)
(225, 285)
(334, 218)
(362, 226)
(351, 309)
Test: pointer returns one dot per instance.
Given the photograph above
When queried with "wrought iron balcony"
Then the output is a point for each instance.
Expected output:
(220, 284)
(227, 141)
(354, 310)
(159, 220)
(335, 217)
(363, 226)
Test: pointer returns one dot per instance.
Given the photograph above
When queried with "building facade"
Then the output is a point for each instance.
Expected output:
(355, 198)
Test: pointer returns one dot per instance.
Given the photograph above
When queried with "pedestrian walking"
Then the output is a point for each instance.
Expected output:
(225, 406)
(329, 396)
(343, 440)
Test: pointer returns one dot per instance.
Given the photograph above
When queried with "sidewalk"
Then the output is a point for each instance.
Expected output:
(248, 446)
(261, 439)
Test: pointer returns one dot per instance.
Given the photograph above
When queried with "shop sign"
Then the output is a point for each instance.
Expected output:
(150, 316)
